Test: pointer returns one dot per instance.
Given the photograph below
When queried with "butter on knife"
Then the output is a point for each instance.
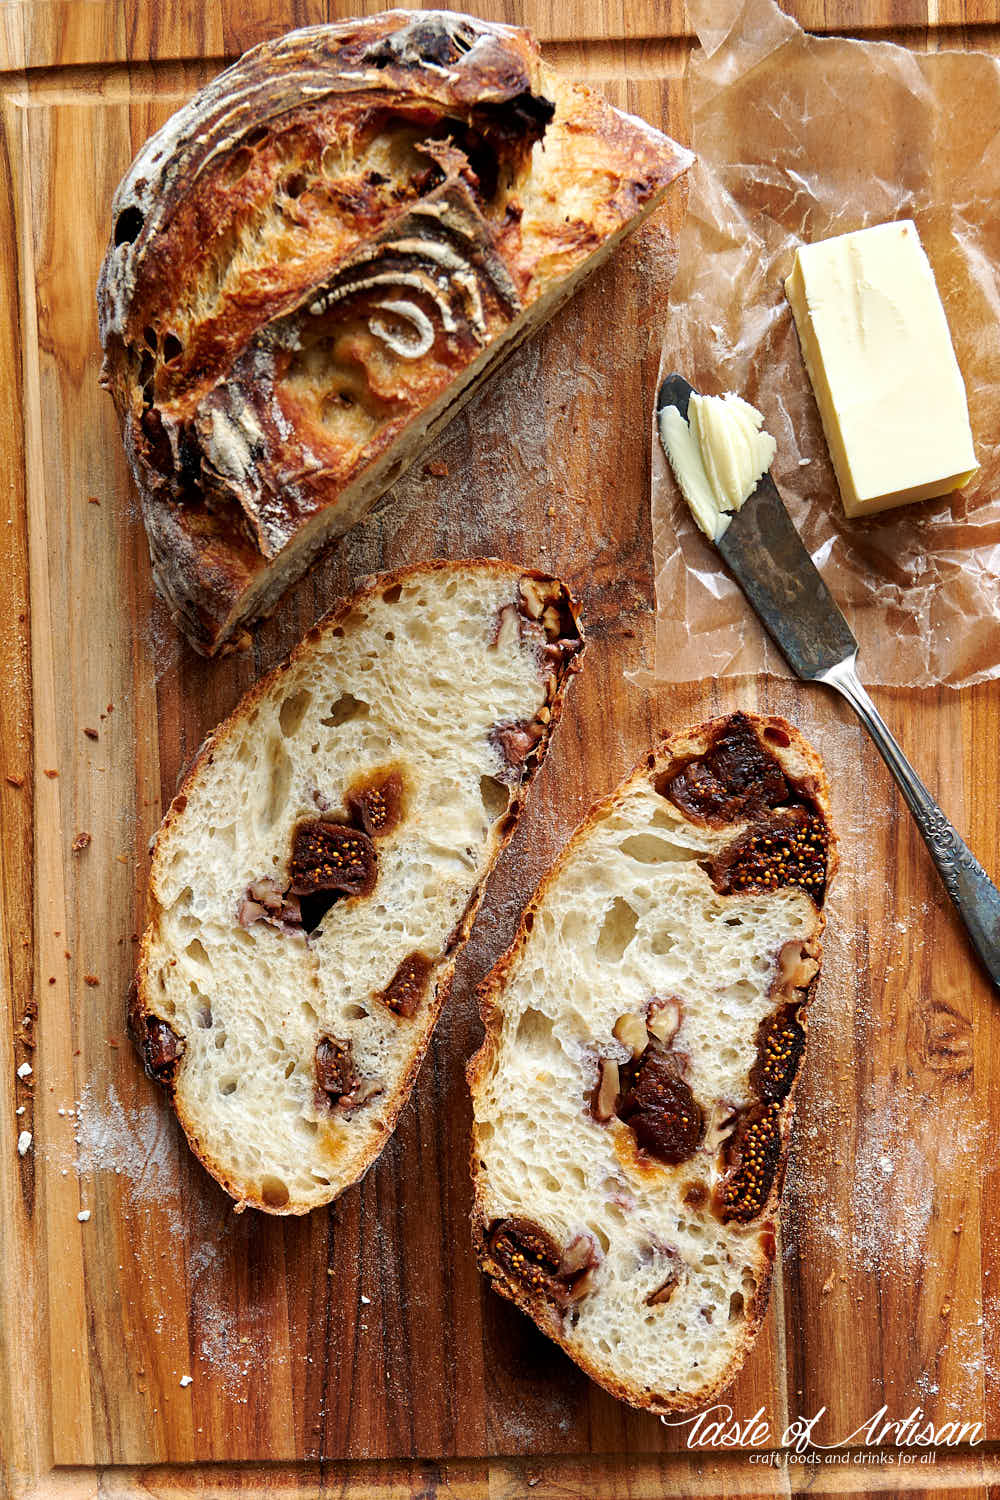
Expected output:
(717, 456)
(878, 351)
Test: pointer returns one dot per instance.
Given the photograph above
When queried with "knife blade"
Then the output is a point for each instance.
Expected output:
(767, 558)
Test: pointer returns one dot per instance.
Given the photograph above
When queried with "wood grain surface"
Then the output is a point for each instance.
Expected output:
(357, 1352)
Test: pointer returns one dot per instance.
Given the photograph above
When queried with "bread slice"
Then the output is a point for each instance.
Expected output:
(322, 862)
(316, 261)
(643, 1039)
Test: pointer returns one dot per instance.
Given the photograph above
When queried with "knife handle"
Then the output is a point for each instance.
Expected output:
(965, 880)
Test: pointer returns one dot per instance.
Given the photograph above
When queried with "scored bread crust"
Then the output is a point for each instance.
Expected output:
(311, 268)
(804, 769)
(145, 1009)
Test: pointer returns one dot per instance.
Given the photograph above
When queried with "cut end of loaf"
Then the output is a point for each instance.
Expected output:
(644, 1035)
(317, 260)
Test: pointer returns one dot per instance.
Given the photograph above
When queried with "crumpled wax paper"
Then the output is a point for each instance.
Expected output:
(799, 138)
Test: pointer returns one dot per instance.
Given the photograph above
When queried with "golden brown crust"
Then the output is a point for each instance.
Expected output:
(312, 260)
(141, 1007)
(804, 767)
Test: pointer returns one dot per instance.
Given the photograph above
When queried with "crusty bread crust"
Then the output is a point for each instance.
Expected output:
(142, 1008)
(314, 262)
(804, 767)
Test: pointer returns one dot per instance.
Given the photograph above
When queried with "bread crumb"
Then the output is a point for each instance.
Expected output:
(186, 1380)
(91, 734)
(436, 468)
(366, 1301)
(24, 1071)
(52, 774)
(17, 781)
(83, 1215)
(93, 500)
(23, 1142)
(91, 979)
(81, 841)
(19, 1110)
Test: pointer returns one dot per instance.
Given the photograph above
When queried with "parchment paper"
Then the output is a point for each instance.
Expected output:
(799, 138)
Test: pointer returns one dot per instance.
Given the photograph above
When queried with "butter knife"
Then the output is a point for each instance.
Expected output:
(766, 556)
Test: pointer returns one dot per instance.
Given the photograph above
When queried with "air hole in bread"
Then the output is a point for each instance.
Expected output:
(227, 1085)
(346, 708)
(172, 347)
(534, 1031)
(289, 1067)
(662, 942)
(220, 1040)
(238, 164)
(309, 1014)
(495, 797)
(195, 951)
(736, 1307)
(355, 1012)
(293, 711)
(649, 850)
(203, 1016)
(274, 1192)
(295, 185)
(128, 225)
(391, 595)
(617, 930)
(279, 785)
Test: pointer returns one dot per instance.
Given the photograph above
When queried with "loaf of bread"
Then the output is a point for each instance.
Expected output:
(314, 263)
(322, 862)
(643, 1038)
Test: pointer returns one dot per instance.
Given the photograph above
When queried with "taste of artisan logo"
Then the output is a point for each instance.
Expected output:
(878, 1440)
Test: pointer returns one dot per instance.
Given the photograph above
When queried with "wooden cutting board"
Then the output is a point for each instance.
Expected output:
(357, 1351)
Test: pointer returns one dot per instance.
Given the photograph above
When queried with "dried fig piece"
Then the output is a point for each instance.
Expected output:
(157, 1043)
(408, 985)
(752, 1156)
(331, 857)
(338, 1082)
(658, 1106)
(530, 1256)
(737, 778)
(335, 1073)
(787, 850)
(780, 1043)
(376, 803)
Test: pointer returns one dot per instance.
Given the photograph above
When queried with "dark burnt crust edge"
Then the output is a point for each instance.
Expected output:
(442, 978)
(764, 1229)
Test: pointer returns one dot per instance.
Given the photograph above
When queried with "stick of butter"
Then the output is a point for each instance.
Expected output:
(878, 351)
